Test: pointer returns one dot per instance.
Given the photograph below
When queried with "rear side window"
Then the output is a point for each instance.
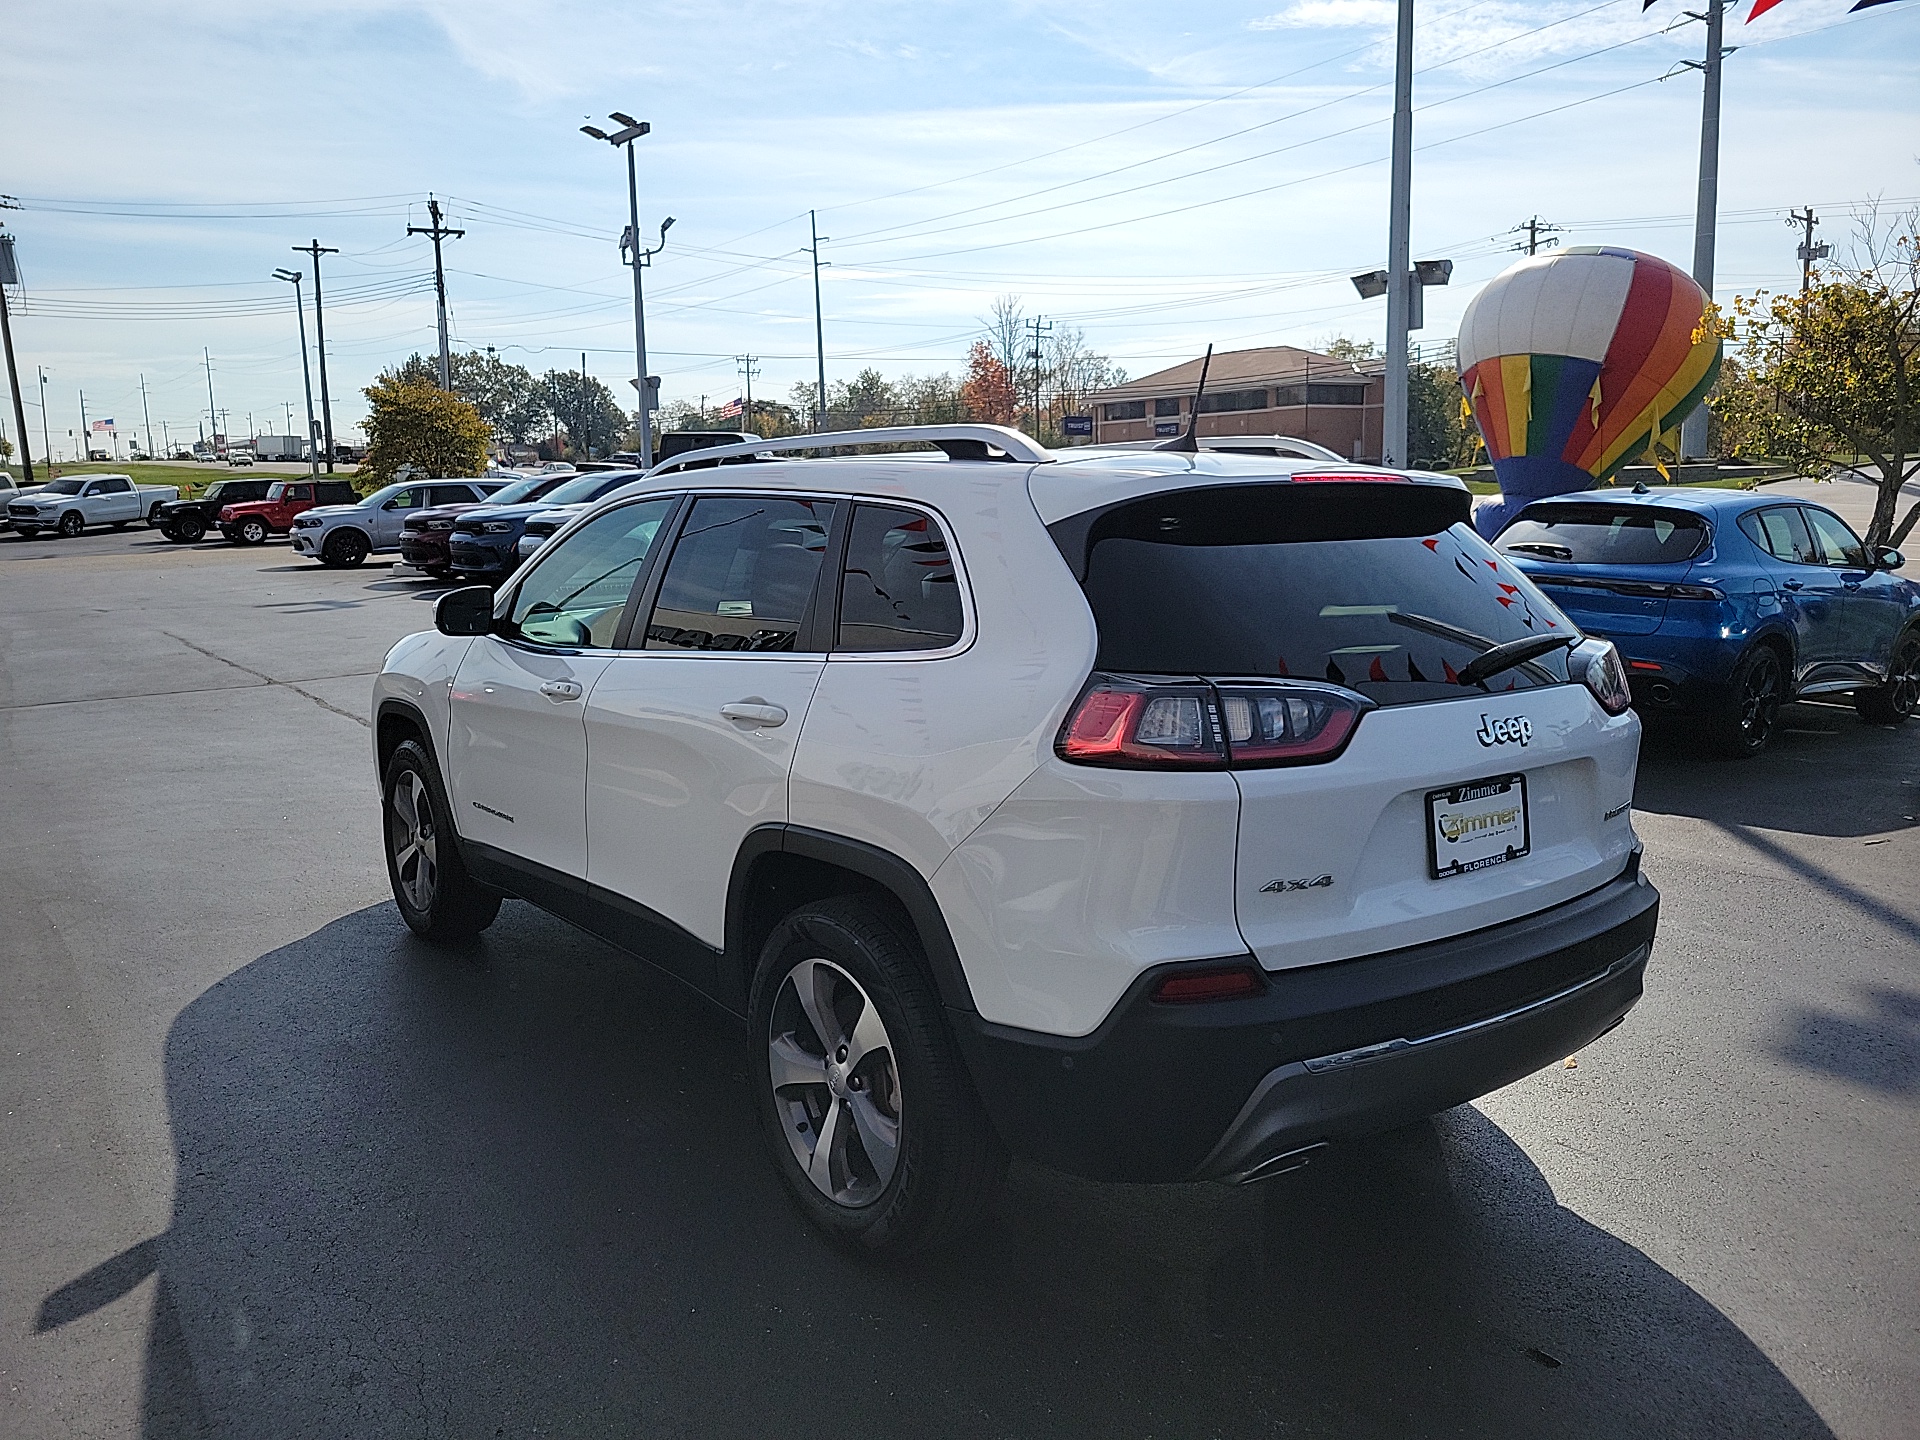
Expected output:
(298, 492)
(334, 492)
(1386, 591)
(741, 575)
(1782, 532)
(898, 590)
(1605, 534)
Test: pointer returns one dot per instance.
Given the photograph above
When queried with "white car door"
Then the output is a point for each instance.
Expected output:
(691, 733)
(517, 767)
(109, 500)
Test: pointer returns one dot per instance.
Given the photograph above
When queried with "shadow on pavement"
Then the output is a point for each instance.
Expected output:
(522, 1190)
(1868, 776)
(1876, 1048)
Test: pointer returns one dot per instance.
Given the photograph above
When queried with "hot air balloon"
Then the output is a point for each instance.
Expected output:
(1572, 361)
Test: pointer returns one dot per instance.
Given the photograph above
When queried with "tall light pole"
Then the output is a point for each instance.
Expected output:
(1393, 439)
(630, 131)
(1693, 430)
(213, 413)
(819, 330)
(46, 440)
(292, 277)
(316, 250)
(10, 275)
(146, 415)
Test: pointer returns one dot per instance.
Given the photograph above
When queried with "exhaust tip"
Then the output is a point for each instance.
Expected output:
(1661, 692)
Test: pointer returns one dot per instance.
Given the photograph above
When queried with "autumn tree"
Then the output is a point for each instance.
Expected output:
(419, 424)
(1835, 372)
(987, 391)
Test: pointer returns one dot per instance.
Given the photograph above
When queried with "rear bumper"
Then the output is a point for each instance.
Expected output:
(1224, 1090)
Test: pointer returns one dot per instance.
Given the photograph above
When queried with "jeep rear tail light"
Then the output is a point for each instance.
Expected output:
(1140, 725)
(1598, 664)
(1136, 723)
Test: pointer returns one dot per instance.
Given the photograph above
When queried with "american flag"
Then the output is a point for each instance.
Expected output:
(732, 410)
(102, 426)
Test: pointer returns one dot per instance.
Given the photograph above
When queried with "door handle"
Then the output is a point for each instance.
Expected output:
(755, 711)
(1789, 584)
(558, 690)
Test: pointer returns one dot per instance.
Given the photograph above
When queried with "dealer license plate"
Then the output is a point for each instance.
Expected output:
(1472, 826)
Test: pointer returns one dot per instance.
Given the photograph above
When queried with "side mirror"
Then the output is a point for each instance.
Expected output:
(466, 611)
(1885, 557)
(393, 504)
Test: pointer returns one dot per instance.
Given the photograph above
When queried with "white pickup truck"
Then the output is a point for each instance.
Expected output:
(69, 506)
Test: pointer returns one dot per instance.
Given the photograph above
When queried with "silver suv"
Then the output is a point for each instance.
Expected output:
(1157, 816)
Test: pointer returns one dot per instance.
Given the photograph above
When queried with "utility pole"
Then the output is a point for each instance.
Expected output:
(213, 414)
(10, 275)
(1400, 281)
(819, 330)
(1539, 235)
(293, 277)
(436, 233)
(316, 250)
(1693, 430)
(166, 438)
(1809, 252)
(46, 441)
(146, 415)
(1035, 331)
(86, 435)
(748, 367)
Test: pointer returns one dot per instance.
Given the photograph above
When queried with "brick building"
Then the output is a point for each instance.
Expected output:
(1277, 390)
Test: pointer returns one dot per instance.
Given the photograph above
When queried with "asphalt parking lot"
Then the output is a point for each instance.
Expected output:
(271, 1168)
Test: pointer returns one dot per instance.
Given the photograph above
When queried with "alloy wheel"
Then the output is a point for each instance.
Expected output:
(411, 839)
(836, 1086)
(1903, 678)
(1760, 699)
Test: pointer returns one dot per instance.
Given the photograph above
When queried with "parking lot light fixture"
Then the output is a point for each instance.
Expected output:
(293, 278)
(623, 138)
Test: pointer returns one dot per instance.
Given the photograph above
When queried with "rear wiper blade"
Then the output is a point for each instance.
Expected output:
(1542, 547)
(1511, 653)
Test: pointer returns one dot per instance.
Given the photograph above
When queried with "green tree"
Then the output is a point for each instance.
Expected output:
(411, 423)
(1835, 372)
(1439, 437)
(509, 398)
(586, 410)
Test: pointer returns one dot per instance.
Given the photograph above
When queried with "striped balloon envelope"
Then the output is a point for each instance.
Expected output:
(1572, 361)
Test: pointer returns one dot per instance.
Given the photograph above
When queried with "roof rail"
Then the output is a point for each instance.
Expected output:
(958, 442)
(1288, 446)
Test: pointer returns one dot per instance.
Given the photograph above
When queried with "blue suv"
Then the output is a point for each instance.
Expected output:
(1727, 604)
(480, 546)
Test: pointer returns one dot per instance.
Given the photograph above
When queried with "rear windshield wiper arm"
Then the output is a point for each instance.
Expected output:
(1505, 656)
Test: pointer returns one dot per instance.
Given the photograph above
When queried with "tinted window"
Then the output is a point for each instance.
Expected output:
(1782, 533)
(898, 591)
(1839, 546)
(114, 487)
(335, 492)
(1389, 595)
(741, 575)
(575, 594)
(580, 488)
(1127, 410)
(450, 494)
(1605, 534)
(1233, 400)
(299, 492)
(1167, 406)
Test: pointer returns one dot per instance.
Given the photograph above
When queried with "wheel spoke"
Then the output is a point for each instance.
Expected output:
(403, 855)
(869, 1035)
(879, 1134)
(821, 1168)
(791, 1065)
(404, 807)
(813, 985)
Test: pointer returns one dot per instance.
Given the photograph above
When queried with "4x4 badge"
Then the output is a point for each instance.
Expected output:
(1276, 887)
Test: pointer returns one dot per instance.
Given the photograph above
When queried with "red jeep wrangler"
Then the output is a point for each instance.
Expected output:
(250, 522)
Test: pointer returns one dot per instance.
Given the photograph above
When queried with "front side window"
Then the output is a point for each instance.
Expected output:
(576, 593)
(742, 574)
(898, 591)
(1782, 533)
(299, 492)
(1605, 534)
(1839, 546)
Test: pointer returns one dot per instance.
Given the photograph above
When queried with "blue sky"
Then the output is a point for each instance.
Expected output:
(1162, 177)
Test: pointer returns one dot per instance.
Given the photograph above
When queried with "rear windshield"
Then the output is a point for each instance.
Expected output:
(1388, 594)
(1605, 534)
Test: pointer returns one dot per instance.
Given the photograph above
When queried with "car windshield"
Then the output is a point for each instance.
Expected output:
(277, 491)
(518, 491)
(585, 487)
(1605, 534)
(63, 487)
(1389, 595)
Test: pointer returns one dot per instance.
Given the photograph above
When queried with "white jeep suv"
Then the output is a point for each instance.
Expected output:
(1157, 816)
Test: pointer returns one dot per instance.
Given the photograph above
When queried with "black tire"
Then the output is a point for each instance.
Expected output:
(1743, 724)
(187, 529)
(947, 1161)
(250, 531)
(71, 524)
(1894, 702)
(345, 549)
(438, 899)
